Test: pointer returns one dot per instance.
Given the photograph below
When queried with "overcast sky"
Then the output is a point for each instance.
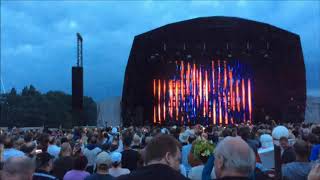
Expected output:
(38, 41)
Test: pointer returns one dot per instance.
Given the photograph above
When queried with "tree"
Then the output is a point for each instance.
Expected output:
(13, 92)
(52, 109)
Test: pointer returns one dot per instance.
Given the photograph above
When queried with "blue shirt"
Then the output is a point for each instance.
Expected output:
(54, 150)
(185, 154)
(11, 152)
(315, 153)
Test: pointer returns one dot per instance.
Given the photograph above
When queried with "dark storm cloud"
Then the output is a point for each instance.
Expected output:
(38, 38)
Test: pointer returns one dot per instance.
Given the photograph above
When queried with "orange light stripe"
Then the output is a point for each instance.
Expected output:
(154, 88)
(225, 74)
(213, 80)
(188, 79)
(164, 99)
(200, 85)
(225, 108)
(154, 114)
(177, 100)
(220, 113)
(159, 97)
(231, 88)
(182, 80)
(206, 91)
(170, 97)
(243, 95)
(237, 95)
(249, 101)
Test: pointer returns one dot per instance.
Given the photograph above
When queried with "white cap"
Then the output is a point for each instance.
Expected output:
(164, 131)
(116, 157)
(280, 131)
(266, 140)
(103, 158)
(183, 137)
(114, 130)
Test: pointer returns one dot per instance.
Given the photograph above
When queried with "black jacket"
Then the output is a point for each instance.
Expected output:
(154, 172)
(43, 175)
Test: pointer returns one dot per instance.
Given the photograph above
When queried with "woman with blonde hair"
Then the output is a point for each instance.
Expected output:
(65, 161)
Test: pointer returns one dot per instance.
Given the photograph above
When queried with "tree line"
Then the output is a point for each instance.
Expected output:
(31, 108)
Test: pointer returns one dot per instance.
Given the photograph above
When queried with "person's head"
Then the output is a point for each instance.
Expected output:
(93, 140)
(80, 163)
(64, 139)
(234, 157)
(27, 137)
(226, 132)
(103, 162)
(44, 161)
(114, 145)
(183, 137)
(136, 140)
(312, 139)
(29, 149)
(116, 159)
(52, 140)
(44, 142)
(302, 150)
(244, 132)
(278, 132)
(284, 142)
(127, 140)
(163, 149)
(191, 138)
(8, 143)
(65, 150)
(266, 141)
(18, 168)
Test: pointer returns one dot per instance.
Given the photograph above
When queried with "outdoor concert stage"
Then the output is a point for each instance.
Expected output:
(214, 70)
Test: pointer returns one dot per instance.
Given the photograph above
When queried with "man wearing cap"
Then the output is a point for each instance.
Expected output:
(44, 164)
(103, 163)
(116, 169)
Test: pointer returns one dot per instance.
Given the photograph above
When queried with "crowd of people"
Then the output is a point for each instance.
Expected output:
(242, 151)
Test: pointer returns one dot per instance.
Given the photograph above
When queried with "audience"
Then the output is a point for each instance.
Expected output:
(234, 163)
(187, 137)
(116, 169)
(78, 171)
(201, 153)
(91, 152)
(130, 157)
(53, 149)
(314, 173)
(103, 163)
(44, 165)
(287, 152)
(300, 168)
(154, 152)
(65, 161)
(162, 161)
(9, 151)
(17, 168)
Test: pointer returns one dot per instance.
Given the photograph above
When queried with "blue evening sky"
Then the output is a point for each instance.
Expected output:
(38, 38)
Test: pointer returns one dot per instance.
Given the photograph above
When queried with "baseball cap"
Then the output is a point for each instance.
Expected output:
(116, 157)
(103, 158)
(114, 130)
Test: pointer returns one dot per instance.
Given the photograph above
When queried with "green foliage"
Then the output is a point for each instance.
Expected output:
(52, 109)
(203, 148)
